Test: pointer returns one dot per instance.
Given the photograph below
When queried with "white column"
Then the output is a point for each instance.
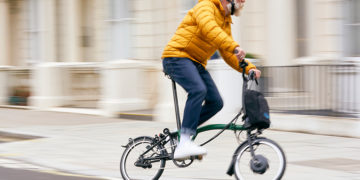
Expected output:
(50, 86)
(19, 41)
(71, 31)
(4, 32)
(4, 51)
(50, 79)
(100, 30)
(249, 30)
(327, 29)
(48, 34)
(281, 37)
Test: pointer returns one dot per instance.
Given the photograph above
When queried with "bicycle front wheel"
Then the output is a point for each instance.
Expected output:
(134, 164)
(267, 162)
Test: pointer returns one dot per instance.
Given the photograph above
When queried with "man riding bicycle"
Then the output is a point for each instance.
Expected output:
(205, 29)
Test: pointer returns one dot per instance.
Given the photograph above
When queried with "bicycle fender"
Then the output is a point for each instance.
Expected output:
(131, 141)
(230, 170)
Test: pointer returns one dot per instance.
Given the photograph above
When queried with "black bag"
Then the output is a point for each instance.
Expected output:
(257, 110)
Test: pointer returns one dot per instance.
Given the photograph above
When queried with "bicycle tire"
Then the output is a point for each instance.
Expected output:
(256, 144)
(143, 140)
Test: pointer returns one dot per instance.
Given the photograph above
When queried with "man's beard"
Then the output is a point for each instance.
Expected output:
(238, 8)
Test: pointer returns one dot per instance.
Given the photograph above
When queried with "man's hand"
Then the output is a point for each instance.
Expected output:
(256, 72)
(240, 53)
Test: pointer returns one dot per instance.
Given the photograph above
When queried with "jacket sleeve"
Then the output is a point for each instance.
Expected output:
(231, 59)
(205, 18)
(204, 13)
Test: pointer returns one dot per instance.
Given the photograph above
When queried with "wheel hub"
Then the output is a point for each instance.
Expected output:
(259, 164)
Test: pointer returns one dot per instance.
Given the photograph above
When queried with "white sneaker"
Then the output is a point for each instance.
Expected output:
(187, 149)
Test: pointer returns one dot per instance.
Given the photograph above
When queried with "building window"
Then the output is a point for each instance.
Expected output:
(352, 28)
(120, 20)
(33, 31)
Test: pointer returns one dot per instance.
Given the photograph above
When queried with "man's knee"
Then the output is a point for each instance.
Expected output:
(219, 103)
(199, 91)
(216, 103)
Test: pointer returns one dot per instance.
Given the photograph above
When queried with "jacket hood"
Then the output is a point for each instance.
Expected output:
(217, 3)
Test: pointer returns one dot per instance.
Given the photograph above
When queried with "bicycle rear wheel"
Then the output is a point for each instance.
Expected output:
(135, 166)
(268, 163)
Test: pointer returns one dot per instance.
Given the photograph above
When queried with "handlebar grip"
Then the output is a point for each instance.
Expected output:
(252, 77)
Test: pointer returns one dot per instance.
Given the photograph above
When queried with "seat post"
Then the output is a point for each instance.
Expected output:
(178, 122)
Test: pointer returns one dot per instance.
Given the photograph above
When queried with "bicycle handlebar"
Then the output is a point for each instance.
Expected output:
(251, 75)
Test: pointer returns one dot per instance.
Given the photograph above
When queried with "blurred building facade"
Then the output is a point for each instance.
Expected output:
(105, 54)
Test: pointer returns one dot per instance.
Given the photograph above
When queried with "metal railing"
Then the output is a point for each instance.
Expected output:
(331, 89)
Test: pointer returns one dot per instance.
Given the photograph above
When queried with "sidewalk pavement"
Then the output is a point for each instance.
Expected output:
(91, 145)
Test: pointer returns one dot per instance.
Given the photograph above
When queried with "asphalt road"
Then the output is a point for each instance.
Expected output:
(39, 145)
(20, 174)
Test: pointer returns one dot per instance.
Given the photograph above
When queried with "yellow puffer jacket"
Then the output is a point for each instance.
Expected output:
(205, 29)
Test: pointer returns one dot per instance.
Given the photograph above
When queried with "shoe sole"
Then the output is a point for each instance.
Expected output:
(182, 159)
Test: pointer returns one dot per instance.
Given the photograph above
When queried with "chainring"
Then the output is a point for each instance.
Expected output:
(183, 163)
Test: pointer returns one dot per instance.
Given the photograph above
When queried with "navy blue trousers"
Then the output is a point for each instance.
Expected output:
(203, 100)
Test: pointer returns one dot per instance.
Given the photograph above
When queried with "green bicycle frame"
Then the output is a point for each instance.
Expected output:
(222, 127)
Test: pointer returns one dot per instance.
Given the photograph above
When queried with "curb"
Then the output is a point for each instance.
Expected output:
(322, 125)
(312, 124)
(136, 116)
